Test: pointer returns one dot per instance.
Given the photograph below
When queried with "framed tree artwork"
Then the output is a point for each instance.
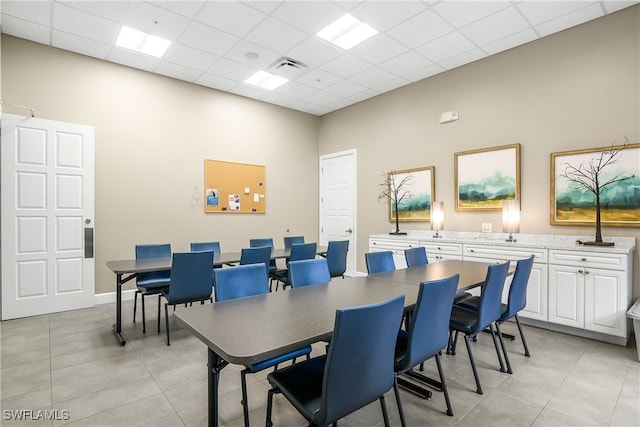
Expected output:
(485, 177)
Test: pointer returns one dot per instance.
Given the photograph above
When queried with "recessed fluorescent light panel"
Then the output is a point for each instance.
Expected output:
(142, 42)
(347, 32)
(266, 80)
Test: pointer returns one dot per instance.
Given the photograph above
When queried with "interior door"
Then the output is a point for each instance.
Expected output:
(337, 202)
(47, 216)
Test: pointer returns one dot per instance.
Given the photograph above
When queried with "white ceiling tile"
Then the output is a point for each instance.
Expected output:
(420, 29)
(322, 97)
(365, 94)
(83, 24)
(208, 39)
(25, 29)
(133, 59)
(614, 5)
(383, 15)
(233, 17)
(189, 57)
(345, 88)
(392, 84)
(314, 52)
(249, 91)
(275, 97)
(231, 70)
(32, 11)
(510, 41)
(378, 49)
(569, 20)
(462, 59)
(177, 71)
(538, 12)
(265, 58)
(296, 90)
(111, 10)
(318, 79)
(302, 105)
(497, 26)
(373, 77)
(81, 45)
(405, 63)
(423, 73)
(308, 16)
(155, 20)
(216, 82)
(451, 45)
(461, 13)
(276, 35)
(346, 66)
(188, 8)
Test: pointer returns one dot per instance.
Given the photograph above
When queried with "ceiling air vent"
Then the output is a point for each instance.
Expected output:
(285, 63)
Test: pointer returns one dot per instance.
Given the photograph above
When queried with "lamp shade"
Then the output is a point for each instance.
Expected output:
(511, 216)
(437, 216)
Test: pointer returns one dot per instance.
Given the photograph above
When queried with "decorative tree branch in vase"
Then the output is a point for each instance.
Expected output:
(591, 177)
(395, 189)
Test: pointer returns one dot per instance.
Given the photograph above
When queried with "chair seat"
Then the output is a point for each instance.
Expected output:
(461, 297)
(257, 367)
(202, 297)
(463, 320)
(152, 288)
(474, 302)
(301, 384)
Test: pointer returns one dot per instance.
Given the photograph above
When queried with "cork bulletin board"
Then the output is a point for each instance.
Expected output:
(234, 187)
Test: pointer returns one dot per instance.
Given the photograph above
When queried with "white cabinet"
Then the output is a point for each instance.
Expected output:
(589, 290)
(442, 251)
(536, 307)
(396, 246)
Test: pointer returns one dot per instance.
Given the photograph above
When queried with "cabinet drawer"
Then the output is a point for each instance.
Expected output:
(391, 245)
(442, 248)
(505, 253)
(588, 259)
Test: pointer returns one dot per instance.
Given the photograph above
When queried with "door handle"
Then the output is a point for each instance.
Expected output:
(348, 231)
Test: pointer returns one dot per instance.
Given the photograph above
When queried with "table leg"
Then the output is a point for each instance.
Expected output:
(117, 327)
(215, 364)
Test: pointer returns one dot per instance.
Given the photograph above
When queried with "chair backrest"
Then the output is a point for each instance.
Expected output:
(267, 241)
(308, 272)
(428, 330)
(241, 281)
(206, 246)
(359, 365)
(300, 251)
(290, 240)
(190, 276)
(257, 255)
(379, 262)
(153, 251)
(337, 257)
(416, 256)
(518, 290)
(490, 306)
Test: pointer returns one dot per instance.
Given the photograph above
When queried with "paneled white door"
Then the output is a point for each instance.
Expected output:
(337, 201)
(47, 216)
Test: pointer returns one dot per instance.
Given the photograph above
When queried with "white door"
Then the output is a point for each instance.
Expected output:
(338, 202)
(47, 216)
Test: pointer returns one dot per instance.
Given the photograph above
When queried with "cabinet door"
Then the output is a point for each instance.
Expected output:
(566, 295)
(605, 301)
(536, 307)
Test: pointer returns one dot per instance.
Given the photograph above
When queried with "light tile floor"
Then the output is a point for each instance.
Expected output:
(69, 363)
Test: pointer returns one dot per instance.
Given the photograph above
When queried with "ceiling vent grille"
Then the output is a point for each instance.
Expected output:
(285, 63)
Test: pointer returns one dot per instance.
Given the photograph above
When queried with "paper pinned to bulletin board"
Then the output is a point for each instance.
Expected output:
(234, 187)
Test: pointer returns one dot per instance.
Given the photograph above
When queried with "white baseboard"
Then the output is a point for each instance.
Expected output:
(110, 297)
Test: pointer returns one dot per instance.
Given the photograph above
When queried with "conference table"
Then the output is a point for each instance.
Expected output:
(241, 331)
(128, 269)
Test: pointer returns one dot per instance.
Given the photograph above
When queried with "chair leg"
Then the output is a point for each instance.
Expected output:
(166, 321)
(495, 344)
(245, 402)
(270, 406)
(473, 365)
(385, 414)
(144, 319)
(159, 305)
(396, 390)
(504, 349)
(135, 305)
(524, 342)
(444, 386)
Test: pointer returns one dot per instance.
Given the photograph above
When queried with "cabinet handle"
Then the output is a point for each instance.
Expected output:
(583, 259)
(439, 248)
(580, 271)
(471, 250)
(586, 272)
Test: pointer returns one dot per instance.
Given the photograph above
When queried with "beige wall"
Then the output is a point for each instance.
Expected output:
(576, 89)
(152, 136)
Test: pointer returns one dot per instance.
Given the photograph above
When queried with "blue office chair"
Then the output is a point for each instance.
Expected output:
(290, 240)
(308, 272)
(150, 283)
(470, 322)
(516, 301)
(299, 251)
(426, 335)
(357, 369)
(254, 243)
(245, 281)
(191, 274)
(337, 257)
(379, 262)
(256, 255)
(416, 256)
(207, 246)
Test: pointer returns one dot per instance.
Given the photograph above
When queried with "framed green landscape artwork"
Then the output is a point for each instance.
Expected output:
(614, 172)
(486, 177)
(418, 187)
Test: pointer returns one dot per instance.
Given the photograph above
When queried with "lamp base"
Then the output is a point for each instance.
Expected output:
(598, 243)
(398, 233)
